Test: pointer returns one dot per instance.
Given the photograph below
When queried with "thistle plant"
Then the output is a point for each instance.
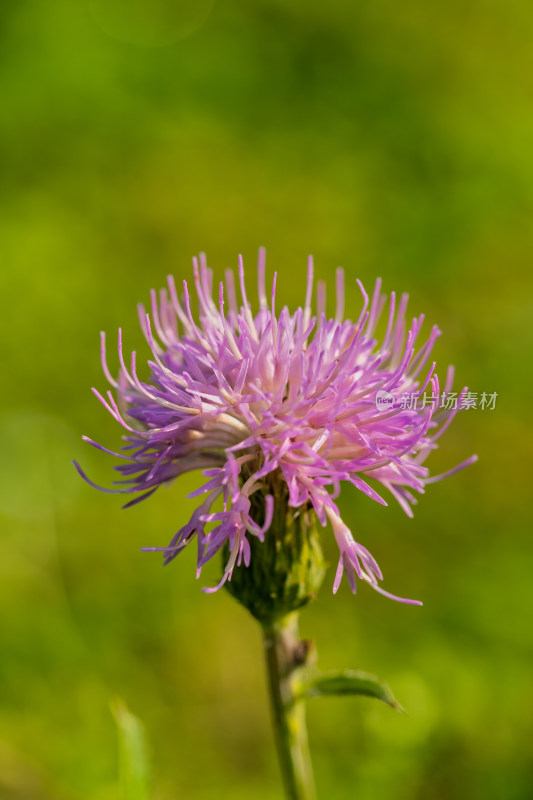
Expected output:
(277, 410)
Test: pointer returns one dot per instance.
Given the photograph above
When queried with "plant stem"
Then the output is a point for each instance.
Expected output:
(285, 655)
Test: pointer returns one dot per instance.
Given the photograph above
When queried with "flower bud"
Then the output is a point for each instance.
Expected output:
(286, 569)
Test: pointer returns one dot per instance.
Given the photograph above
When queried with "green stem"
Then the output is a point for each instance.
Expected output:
(285, 654)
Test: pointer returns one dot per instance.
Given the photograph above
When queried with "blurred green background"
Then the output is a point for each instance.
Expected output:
(392, 138)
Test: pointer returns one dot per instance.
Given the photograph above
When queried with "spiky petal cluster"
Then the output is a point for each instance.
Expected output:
(254, 398)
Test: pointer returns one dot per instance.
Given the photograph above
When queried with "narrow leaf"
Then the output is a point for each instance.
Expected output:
(133, 754)
(349, 682)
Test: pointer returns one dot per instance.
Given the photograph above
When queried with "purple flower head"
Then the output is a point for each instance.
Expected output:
(254, 398)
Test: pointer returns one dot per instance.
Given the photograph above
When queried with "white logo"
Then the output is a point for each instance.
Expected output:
(384, 400)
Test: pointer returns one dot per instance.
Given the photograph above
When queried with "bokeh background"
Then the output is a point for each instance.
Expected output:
(391, 138)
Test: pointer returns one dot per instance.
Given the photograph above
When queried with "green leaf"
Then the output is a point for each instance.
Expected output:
(348, 682)
(133, 754)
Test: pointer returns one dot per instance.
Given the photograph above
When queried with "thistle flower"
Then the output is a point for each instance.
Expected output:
(261, 401)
